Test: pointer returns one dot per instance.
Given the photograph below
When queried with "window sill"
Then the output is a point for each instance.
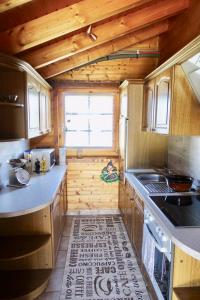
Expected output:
(91, 152)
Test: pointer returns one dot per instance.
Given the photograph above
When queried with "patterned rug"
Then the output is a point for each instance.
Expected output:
(101, 264)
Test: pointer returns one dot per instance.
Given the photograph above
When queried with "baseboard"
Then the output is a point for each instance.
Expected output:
(92, 212)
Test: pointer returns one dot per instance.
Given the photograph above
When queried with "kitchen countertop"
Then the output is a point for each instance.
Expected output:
(185, 238)
(38, 195)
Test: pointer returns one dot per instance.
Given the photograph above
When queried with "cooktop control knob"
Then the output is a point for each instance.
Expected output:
(158, 229)
(164, 238)
(151, 218)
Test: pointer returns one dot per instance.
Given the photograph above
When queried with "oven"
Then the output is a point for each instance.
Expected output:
(157, 256)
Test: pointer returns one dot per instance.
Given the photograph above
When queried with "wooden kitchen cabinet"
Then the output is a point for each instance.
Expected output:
(45, 110)
(137, 225)
(132, 210)
(186, 274)
(148, 106)
(156, 103)
(26, 252)
(30, 115)
(130, 194)
(170, 106)
(162, 102)
(33, 107)
(58, 217)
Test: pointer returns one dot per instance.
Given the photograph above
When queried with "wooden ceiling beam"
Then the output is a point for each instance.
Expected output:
(61, 22)
(9, 4)
(103, 50)
(105, 32)
(30, 11)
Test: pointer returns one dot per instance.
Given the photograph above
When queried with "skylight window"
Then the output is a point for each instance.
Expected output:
(191, 68)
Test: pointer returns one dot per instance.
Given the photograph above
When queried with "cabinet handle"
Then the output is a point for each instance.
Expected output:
(153, 129)
(132, 199)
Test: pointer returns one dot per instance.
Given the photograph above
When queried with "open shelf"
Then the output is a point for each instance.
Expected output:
(11, 104)
(187, 293)
(15, 247)
(23, 284)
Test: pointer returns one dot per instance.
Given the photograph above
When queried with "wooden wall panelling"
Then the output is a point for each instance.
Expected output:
(185, 108)
(9, 4)
(85, 189)
(61, 22)
(186, 271)
(102, 50)
(135, 68)
(177, 38)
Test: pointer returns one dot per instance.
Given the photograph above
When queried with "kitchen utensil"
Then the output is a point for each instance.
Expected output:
(17, 162)
(179, 183)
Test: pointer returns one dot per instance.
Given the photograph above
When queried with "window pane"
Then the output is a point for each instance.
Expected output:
(101, 139)
(76, 104)
(76, 122)
(99, 123)
(76, 139)
(92, 114)
(101, 104)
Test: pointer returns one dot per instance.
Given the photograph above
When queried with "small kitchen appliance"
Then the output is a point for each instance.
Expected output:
(47, 154)
(18, 177)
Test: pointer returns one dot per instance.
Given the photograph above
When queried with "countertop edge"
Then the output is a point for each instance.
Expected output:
(57, 173)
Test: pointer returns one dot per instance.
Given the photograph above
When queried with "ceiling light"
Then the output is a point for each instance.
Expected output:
(90, 34)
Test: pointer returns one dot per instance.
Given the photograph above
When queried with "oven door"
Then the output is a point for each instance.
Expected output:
(157, 264)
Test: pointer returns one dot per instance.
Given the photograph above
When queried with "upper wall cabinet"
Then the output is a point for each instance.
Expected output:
(24, 101)
(148, 106)
(38, 108)
(170, 106)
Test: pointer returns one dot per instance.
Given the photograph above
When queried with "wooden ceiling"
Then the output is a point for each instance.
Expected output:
(52, 37)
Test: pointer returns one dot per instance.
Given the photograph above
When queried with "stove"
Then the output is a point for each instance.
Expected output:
(181, 210)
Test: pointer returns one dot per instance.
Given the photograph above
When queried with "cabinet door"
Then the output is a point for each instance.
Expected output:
(148, 106)
(48, 111)
(137, 225)
(33, 108)
(43, 112)
(62, 206)
(162, 109)
(121, 197)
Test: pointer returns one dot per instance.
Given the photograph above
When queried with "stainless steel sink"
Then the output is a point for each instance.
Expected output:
(150, 177)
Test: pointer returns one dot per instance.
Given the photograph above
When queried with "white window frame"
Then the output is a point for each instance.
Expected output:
(89, 94)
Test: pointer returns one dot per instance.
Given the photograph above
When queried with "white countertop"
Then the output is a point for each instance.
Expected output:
(186, 238)
(39, 194)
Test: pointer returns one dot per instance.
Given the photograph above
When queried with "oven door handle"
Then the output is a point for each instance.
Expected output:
(160, 249)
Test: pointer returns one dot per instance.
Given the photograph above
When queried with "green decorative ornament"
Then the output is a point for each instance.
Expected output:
(109, 174)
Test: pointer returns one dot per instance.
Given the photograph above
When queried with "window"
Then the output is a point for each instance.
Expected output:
(89, 120)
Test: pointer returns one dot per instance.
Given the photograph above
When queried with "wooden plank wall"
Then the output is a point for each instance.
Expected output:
(85, 189)
(183, 29)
